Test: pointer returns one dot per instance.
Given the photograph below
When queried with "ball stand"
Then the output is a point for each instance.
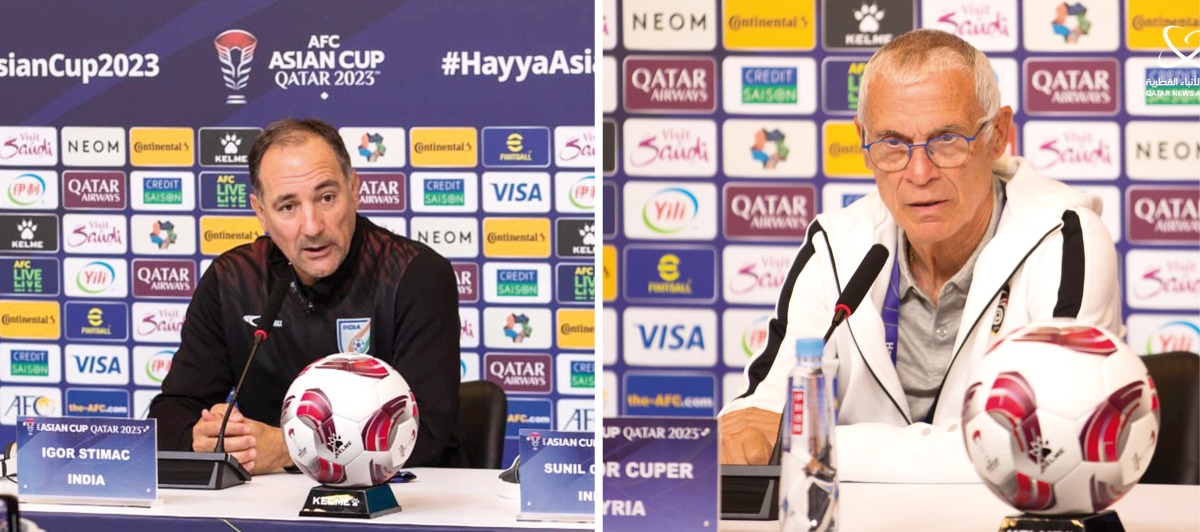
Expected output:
(353, 503)
(1106, 521)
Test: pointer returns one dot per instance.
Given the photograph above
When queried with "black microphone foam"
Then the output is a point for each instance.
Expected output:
(271, 309)
(863, 278)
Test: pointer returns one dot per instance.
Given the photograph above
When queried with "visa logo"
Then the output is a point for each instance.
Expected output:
(98, 365)
(517, 192)
(671, 337)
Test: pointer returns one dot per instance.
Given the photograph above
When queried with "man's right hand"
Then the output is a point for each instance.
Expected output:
(238, 438)
(748, 436)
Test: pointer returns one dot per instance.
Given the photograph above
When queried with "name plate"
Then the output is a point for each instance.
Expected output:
(661, 473)
(558, 475)
(87, 460)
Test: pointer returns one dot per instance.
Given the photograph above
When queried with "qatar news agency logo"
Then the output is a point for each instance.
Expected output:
(235, 51)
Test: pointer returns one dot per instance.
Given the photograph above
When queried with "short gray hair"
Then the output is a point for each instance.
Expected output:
(920, 54)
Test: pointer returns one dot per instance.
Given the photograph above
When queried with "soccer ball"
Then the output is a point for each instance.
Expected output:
(349, 420)
(1060, 418)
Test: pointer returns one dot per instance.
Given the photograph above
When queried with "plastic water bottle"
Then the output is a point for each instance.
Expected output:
(808, 480)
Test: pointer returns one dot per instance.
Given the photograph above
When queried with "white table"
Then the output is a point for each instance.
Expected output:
(438, 497)
(958, 507)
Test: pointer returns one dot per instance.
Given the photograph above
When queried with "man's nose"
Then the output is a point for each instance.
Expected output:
(313, 223)
(920, 168)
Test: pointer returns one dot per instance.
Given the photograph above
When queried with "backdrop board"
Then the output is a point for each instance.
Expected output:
(123, 144)
(727, 127)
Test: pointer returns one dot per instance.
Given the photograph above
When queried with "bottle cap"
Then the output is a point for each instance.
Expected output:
(809, 348)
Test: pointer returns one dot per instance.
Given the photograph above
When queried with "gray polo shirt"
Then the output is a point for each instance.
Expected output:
(926, 331)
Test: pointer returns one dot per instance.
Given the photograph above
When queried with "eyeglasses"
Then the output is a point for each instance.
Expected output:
(944, 151)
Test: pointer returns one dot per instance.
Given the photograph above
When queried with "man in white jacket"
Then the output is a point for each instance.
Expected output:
(979, 245)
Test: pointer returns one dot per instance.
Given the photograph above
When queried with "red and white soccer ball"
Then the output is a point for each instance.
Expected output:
(349, 420)
(1060, 418)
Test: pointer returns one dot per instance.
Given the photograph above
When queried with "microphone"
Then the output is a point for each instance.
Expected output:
(218, 469)
(857, 286)
(856, 289)
(265, 323)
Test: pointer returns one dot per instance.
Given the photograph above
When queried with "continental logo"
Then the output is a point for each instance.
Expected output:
(843, 151)
(30, 320)
(576, 328)
(609, 273)
(219, 234)
(756, 25)
(442, 147)
(516, 237)
(162, 146)
(1147, 23)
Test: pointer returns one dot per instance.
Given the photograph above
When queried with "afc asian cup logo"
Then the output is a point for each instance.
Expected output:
(29, 424)
(235, 50)
(535, 440)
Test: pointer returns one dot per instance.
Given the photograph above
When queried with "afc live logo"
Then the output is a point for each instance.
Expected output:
(677, 337)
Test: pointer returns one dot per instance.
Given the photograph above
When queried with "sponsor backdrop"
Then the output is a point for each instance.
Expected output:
(727, 127)
(123, 145)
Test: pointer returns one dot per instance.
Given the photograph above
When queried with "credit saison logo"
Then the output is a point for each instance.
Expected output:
(94, 190)
(769, 85)
(583, 374)
(514, 282)
(222, 233)
(29, 363)
(444, 192)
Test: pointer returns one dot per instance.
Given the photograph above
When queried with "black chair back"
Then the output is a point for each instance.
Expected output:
(1177, 457)
(482, 418)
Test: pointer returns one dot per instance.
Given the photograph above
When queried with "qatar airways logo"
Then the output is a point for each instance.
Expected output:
(670, 148)
(1163, 215)
(158, 322)
(1073, 150)
(670, 84)
(1157, 279)
(988, 25)
(1082, 87)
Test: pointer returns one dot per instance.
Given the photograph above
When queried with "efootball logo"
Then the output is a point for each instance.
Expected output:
(235, 50)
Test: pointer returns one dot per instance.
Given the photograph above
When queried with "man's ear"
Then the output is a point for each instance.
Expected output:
(1002, 128)
(860, 131)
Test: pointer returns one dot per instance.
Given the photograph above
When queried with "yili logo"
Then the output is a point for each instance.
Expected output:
(582, 194)
(670, 210)
(95, 277)
(159, 365)
(26, 189)
(1177, 335)
(445, 192)
(754, 337)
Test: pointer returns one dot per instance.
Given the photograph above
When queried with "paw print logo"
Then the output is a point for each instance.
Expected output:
(588, 232)
(26, 228)
(231, 143)
(868, 17)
